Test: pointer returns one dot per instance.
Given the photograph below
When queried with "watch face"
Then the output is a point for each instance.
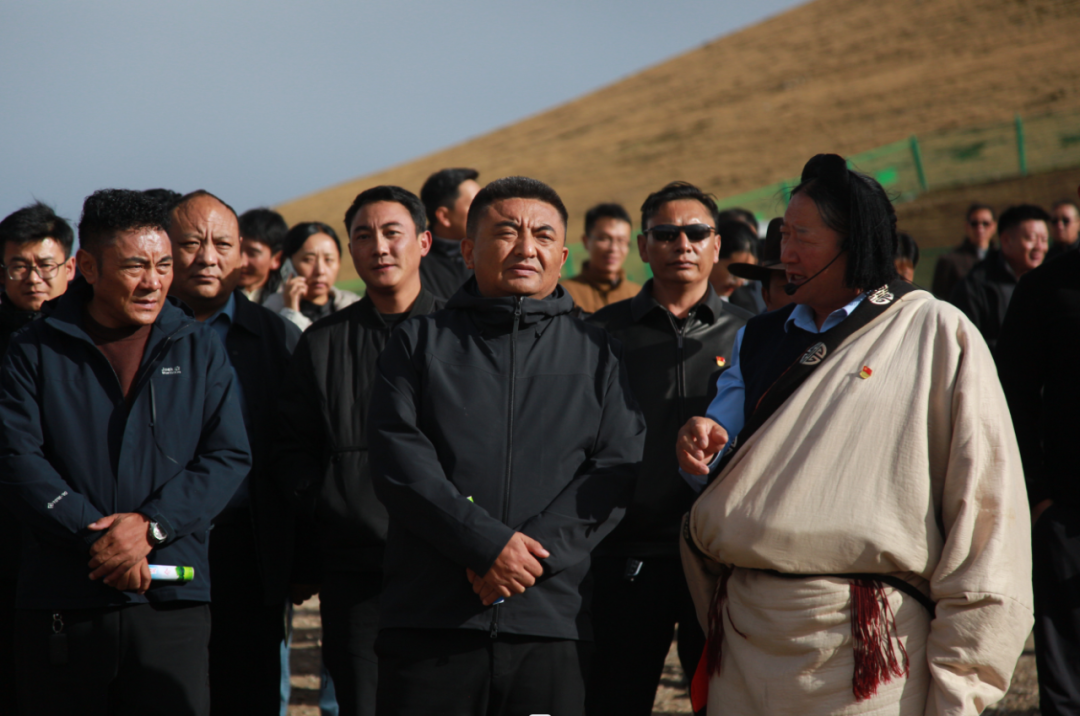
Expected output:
(156, 532)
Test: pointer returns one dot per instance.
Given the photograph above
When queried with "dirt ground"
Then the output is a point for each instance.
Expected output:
(749, 109)
(671, 697)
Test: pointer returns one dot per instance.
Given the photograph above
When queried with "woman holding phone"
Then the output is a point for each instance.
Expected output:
(312, 260)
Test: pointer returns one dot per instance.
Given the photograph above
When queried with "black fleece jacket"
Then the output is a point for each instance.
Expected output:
(496, 415)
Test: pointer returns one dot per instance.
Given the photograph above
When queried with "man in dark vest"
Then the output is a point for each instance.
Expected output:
(504, 445)
(323, 436)
(447, 195)
(250, 553)
(677, 335)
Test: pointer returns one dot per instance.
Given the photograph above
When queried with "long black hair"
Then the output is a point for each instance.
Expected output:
(856, 207)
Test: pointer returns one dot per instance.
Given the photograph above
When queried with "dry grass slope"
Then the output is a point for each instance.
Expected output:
(748, 109)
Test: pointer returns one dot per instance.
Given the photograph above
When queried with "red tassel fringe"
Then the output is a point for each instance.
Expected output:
(873, 629)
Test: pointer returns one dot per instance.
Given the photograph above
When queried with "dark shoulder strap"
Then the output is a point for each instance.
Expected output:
(872, 307)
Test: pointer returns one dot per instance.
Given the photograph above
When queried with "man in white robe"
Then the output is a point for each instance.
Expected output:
(865, 549)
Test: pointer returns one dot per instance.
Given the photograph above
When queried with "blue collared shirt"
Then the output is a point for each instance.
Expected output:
(727, 408)
(221, 323)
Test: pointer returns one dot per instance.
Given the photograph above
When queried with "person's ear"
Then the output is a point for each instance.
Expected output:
(425, 243)
(716, 250)
(643, 247)
(69, 269)
(87, 265)
(275, 261)
(467, 246)
(442, 217)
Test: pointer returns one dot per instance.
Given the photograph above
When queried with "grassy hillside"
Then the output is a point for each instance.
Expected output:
(748, 109)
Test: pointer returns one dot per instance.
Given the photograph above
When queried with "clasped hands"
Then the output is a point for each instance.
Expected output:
(118, 557)
(515, 569)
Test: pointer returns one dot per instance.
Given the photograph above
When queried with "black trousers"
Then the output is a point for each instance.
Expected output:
(349, 607)
(464, 672)
(246, 634)
(1055, 546)
(633, 625)
(8, 700)
(137, 659)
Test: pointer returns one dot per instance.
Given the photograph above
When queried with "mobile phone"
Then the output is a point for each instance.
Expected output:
(287, 270)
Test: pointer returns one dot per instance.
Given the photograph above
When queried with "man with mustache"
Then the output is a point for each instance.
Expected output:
(323, 438)
(678, 336)
(122, 439)
(504, 444)
(253, 534)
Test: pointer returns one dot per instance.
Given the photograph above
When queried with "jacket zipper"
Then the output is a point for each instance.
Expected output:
(680, 368)
(509, 438)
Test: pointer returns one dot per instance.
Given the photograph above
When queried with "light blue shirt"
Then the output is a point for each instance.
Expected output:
(728, 408)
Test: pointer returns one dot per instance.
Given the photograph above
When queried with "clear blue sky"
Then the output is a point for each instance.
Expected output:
(261, 102)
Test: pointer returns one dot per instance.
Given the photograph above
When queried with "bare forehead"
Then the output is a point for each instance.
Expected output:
(525, 212)
(47, 247)
(206, 213)
(380, 213)
(144, 242)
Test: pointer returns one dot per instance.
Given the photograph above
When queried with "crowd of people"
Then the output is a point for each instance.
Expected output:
(512, 492)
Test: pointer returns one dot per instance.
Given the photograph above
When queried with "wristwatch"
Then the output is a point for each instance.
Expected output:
(155, 534)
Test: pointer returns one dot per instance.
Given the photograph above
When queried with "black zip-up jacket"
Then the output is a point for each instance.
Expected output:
(443, 270)
(984, 295)
(673, 367)
(12, 319)
(322, 451)
(259, 344)
(1036, 360)
(72, 451)
(496, 415)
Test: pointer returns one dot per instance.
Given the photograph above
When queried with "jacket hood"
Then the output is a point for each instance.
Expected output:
(500, 311)
(65, 312)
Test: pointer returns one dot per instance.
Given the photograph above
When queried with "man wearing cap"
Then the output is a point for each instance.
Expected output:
(770, 272)
(677, 335)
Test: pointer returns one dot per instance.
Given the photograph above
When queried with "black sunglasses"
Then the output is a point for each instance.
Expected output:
(670, 232)
(977, 224)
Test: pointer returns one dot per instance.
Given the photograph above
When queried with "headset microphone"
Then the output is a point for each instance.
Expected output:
(790, 288)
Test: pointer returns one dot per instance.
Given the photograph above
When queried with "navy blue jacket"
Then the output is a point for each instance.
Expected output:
(71, 452)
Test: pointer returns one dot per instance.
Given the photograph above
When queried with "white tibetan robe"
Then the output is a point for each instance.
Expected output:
(914, 472)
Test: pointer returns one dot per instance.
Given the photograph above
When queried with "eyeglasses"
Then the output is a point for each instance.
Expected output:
(669, 232)
(1064, 220)
(983, 224)
(20, 271)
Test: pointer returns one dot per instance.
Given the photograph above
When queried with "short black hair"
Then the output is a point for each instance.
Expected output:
(738, 214)
(443, 188)
(33, 223)
(675, 191)
(979, 206)
(167, 197)
(265, 226)
(736, 237)
(107, 212)
(907, 249)
(387, 192)
(604, 211)
(855, 206)
(513, 188)
(294, 240)
(1016, 215)
(192, 195)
